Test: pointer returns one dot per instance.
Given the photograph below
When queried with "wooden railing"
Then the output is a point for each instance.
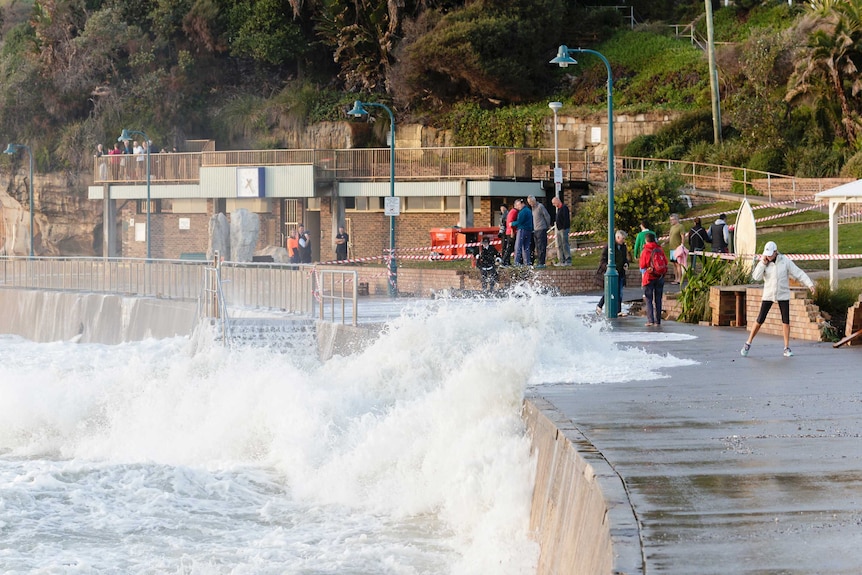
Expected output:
(366, 164)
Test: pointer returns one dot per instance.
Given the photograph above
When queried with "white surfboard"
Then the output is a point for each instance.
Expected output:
(745, 234)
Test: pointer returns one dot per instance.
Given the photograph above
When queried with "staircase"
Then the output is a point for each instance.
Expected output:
(284, 335)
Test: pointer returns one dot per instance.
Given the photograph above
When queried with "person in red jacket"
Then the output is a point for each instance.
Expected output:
(654, 262)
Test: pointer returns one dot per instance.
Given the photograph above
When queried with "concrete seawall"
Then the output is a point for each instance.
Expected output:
(44, 316)
(582, 530)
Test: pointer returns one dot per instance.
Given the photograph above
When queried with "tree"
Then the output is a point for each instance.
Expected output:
(828, 68)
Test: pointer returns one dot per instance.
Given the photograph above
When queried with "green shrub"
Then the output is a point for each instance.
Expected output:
(694, 295)
(834, 305)
(853, 167)
(768, 160)
(642, 146)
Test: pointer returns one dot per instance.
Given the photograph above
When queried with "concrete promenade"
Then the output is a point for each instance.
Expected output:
(734, 465)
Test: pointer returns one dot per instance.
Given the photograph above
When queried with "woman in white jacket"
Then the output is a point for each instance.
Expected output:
(776, 270)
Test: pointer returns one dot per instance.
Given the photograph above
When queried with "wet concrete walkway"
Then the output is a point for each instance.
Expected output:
(734, 465)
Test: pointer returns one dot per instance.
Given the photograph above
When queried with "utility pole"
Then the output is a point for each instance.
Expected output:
(713, 75)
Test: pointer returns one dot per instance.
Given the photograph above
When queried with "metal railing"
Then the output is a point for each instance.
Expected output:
(334, 290)
(718, 178)
(273, 286)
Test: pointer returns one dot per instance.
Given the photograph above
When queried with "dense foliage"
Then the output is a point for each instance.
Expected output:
(75, 72)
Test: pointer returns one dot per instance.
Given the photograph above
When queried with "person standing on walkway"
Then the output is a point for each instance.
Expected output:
(563, 222)
(697, 242)
(621, 260)
(676, 233)
(541, 224)
(509, 248)
(342, 239)
(776, 269)
(640, 240)
(717, 234)
(524, 227)
(653, 262)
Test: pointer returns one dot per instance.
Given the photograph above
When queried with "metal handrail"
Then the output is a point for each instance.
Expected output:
(285, 287)
(334, 291)
(720, 178)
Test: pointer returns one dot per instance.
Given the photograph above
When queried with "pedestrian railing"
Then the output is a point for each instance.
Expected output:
(283, 287)
(336, 290)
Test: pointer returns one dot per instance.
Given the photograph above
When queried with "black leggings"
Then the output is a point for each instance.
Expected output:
(783, 306)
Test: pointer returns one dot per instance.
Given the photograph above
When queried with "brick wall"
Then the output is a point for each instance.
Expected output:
(805, 317)
(784, 189)
(425, 282)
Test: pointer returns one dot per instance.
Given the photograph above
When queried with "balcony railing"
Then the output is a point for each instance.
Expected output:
(132, 169)
(366, 164)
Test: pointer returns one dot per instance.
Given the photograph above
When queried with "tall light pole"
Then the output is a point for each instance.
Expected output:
(11, 149)
(126, 136)
(358, 111)
(612, 278)
(558, 173)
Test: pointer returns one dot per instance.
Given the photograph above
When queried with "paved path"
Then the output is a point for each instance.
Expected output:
(734, 465)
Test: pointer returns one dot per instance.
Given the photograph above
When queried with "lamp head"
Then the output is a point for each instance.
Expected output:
(563, 58)
(555, 106)
(11, 149)
(358, 110)
(124, 136)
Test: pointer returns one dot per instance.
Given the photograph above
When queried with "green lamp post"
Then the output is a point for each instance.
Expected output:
(358, 111)
(126, 136)
(612, 279)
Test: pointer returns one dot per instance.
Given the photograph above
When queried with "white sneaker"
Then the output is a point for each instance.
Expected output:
(745, 349)
(788, 352)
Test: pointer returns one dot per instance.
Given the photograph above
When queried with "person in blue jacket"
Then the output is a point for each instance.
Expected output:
(524, 225)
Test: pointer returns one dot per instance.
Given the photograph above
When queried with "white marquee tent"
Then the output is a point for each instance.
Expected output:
(850, 193)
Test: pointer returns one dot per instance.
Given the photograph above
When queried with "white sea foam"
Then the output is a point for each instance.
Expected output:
(408, 458)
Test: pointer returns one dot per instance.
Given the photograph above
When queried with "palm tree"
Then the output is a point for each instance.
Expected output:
(828, 67)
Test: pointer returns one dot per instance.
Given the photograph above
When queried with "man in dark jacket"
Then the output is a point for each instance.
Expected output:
(524, 227)
(621, 261)
(697, 239)
(563, 221)
(717, 234)
(487, 260)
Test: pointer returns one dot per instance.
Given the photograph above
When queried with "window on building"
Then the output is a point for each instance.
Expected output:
(432, 203)
(313, 204)
(155, 206)
(363, 204)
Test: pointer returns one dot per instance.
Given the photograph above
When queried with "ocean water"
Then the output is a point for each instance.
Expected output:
(181, 456)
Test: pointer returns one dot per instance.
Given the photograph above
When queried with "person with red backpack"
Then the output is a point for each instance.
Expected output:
(654, 262)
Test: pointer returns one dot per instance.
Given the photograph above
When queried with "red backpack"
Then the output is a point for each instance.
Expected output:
(658, 262)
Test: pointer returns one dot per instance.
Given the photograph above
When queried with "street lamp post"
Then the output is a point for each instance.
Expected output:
(558, 174)
(11, 149)
(612, 279)
(358, 111)
(126, 136)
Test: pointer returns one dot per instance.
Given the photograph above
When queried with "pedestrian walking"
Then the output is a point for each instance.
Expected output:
(775, 269)
(563, 223)
(654, 263)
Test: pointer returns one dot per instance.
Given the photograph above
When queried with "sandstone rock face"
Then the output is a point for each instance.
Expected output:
(244, 229)
(65, 221)
(219, 237)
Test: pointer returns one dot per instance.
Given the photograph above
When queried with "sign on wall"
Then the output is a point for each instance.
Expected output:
(250, 183)
(185, 223)
(391, 206)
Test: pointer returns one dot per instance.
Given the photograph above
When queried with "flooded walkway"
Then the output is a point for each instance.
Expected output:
(734, 465)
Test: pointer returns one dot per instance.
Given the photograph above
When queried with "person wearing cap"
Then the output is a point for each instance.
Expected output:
(776, 269)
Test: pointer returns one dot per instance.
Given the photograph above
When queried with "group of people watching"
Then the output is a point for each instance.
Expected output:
(126, 168)
(299, 245)
(524, 232)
